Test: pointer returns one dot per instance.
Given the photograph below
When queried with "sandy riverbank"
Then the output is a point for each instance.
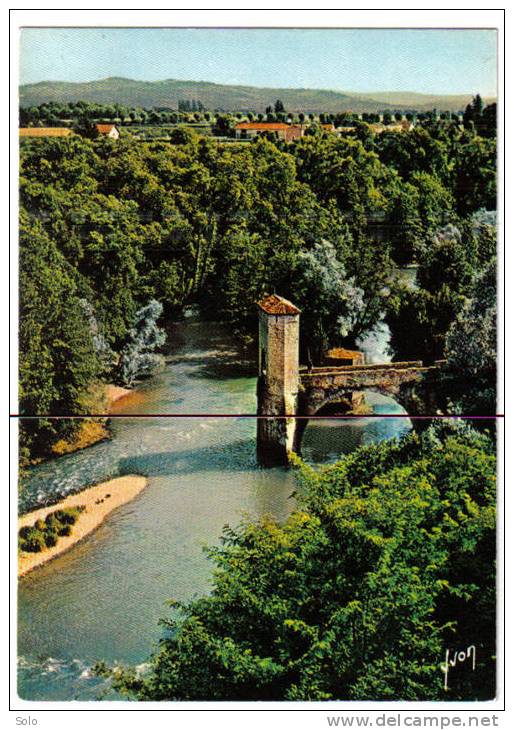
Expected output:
(122, 490)
(113, 394)
(94, 430)
(121, 399)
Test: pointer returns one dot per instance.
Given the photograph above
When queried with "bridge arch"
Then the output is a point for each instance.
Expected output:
(312, 404)
(323, 439)
(314, 398)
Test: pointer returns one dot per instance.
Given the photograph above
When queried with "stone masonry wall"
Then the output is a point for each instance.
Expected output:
(278, 386)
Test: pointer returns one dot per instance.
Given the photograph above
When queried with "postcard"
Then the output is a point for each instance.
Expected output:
(258, 363)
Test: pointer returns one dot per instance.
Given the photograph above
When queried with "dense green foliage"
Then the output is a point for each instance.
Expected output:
(45, 533)
(387, 562)
(108, 227)
(481, 118)
(451, 313)
(57, 357)
(471, 346)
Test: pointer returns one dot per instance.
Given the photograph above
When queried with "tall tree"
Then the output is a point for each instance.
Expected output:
(334, 303)
(58, 359)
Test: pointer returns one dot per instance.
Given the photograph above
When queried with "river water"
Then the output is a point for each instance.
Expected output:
(103, 599)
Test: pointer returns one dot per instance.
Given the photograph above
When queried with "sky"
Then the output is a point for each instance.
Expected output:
(365, 60)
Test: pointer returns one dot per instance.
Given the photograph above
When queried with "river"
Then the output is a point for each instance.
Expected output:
(103, 599)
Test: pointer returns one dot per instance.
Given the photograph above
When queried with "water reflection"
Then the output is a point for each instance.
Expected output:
(326, 440)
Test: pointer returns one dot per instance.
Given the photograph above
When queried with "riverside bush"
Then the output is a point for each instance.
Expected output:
(45, 533)
(68, 516)
(52, 523)
(50, 538)
(34, 543)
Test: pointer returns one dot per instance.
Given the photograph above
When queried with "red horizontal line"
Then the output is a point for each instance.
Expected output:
(249, 415)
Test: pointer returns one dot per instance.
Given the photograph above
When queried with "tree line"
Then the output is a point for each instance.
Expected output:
(193, 111)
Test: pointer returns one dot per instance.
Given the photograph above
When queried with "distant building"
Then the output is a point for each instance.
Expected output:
(403, 126)
(344, 130)
(45, 132)
(340, 356)
(329, 127)
(287, 132)
(107, 130)
(294, 132)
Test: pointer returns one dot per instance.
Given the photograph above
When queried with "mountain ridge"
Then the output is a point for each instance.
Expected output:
(233, 97)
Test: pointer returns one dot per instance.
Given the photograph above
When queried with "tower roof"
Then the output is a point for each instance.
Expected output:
(273, 304)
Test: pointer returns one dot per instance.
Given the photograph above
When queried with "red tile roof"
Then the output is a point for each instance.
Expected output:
(273, 304)
(105, 128)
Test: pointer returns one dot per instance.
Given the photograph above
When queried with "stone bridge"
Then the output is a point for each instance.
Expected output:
(321, 386)
(288, 395)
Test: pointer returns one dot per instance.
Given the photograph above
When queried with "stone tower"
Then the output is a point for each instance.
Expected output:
(278, 382)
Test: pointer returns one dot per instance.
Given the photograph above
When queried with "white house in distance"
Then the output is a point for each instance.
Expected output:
(107, 130)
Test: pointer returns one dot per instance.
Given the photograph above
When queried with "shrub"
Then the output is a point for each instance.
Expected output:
(69, 516)
(45, 533)
(35, 542)
(24, 532)
(52, 523)
(50, 538)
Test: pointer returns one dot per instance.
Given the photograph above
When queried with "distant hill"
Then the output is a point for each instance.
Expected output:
(231, 98)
